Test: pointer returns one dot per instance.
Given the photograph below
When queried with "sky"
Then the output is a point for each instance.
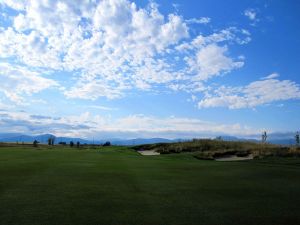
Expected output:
(141, 69)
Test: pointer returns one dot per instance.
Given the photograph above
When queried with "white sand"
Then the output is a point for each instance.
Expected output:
(234, 158)
(149, 152)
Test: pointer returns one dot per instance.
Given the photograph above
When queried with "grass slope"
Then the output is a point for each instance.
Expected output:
(115, 185)
(209, 149)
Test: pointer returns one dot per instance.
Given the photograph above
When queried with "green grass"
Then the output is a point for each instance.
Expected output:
(115, 185)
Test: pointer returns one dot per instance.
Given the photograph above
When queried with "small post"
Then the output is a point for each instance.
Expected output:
(264, 137)
(297, 137)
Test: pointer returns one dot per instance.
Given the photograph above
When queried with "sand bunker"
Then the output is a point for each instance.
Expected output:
(149, 152)
(234, 158)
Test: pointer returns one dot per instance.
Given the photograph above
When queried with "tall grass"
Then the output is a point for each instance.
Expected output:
(209, 149)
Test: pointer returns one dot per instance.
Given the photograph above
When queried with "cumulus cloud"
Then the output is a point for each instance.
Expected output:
(251, 14)
(114, 46)
(14, 4)
(20, 81)
(202, 20)
(93, 90)
(212, 61)
(254, 94)
(231, 34)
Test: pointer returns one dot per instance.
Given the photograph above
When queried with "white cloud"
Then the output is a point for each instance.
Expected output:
(14, 4)
(20, 81)
(4, 106)
(93, 90)
(202, 20)
(251, 14)
(87, 125)
(102, 107)
(255, 94)
(271, 76)
(113, 46)
(175, 124)
(231, 34)
(212, 61)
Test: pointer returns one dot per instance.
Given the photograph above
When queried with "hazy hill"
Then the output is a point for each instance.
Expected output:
(274, 138)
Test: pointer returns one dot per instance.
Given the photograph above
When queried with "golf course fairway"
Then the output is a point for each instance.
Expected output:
(116, 185)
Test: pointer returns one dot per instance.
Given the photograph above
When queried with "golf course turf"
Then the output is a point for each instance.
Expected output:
(116, 185)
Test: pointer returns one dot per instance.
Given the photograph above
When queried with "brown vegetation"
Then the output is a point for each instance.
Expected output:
(210, 149)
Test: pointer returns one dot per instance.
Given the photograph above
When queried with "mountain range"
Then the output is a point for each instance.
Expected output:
(274, 138)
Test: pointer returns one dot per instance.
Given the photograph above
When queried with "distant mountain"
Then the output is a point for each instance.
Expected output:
(274, 138)
(287, 138)
(231, 138)
(140, 141)
(16, 137)
(43, 139)
(282, 141)
(7, 135)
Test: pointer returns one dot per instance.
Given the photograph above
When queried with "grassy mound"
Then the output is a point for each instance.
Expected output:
(210, 149)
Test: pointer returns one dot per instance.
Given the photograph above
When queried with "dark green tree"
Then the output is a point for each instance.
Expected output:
(107, 144)
(52, 140)
(49, 140)
(35, 143)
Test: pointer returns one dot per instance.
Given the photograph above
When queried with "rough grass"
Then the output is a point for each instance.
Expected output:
(209, 149)
(115, 185)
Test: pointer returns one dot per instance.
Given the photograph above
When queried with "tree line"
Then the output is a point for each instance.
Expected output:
(51, 141)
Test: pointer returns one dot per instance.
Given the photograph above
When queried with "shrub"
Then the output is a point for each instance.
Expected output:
(107, 144)
(35, 143)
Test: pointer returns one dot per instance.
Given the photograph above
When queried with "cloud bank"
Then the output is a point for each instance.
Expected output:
(137, 125)
(114, 46)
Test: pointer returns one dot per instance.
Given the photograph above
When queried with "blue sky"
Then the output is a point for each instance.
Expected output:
(120, 68)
